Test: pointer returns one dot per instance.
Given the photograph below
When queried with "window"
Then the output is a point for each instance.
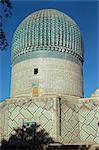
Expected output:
(35, 70)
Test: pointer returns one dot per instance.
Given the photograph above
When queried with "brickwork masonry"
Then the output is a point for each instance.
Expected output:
(68, 119)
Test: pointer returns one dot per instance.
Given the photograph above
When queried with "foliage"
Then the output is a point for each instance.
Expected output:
(7, 7)
(27, 137)
(3, 40)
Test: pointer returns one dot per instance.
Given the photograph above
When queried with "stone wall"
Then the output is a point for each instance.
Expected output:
(54, 76)
(21, 110)
(70, 130)
(53, 113)
(89, 118)
(79, 120)
(1, 122)
(67, 119)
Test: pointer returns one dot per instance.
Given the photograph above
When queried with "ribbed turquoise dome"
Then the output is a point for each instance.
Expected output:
(47, 33)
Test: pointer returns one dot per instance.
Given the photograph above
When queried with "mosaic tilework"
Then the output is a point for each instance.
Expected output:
(68, 119)
(79, 121)
(35, 111)
(69, 124)
(39, 110)
(89, 118)
(47, 30)
(1, 123)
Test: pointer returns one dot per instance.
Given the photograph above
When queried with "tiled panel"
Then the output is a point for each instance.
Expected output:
(70, 131)
(47, 30)
(67, 118)
(89, 122)
(36, 110)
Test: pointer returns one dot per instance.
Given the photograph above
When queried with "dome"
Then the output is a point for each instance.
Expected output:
(47, 33)
(47, 55)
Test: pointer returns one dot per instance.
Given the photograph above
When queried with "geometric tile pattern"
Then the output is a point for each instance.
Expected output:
(79, 122)
(1, 123)
(66, 120)
(89, 118)
(69, 124)
(30, 111)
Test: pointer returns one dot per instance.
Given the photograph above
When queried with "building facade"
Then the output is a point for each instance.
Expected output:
(47, 80)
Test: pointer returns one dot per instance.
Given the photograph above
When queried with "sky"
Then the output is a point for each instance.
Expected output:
(85, 13)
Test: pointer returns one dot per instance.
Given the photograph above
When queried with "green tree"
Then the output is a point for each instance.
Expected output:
(5, 12)
(27, 137)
